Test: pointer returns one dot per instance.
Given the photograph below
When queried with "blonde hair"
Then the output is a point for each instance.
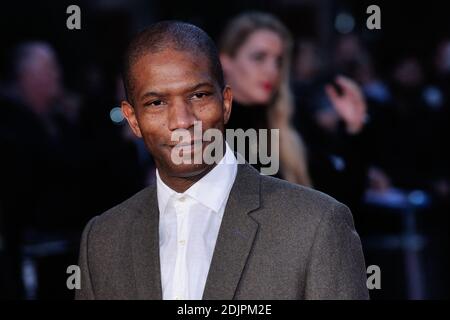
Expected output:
(291, 148)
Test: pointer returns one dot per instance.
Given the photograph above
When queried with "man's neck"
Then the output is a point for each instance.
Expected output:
(181, 184)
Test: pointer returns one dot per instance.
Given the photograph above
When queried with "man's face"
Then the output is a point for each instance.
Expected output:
(172, 90)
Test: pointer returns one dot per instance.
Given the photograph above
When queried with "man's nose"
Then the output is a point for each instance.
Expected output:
(181, 115)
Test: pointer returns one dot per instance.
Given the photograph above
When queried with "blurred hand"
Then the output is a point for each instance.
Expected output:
(350, 105)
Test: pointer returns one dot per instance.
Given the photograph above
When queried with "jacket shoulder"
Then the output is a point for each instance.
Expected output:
(118, 219)
(300, 203)
(293, 194)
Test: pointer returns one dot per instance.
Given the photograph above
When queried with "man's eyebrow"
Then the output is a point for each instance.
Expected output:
(152, 94)
(189, 89)
(199, 85)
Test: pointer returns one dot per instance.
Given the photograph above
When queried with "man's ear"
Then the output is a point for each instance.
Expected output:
(227, 103)
(130, 115)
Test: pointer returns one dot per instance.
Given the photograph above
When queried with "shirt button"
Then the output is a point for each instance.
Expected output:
(178, 298)
(182, 242)
(182, 198)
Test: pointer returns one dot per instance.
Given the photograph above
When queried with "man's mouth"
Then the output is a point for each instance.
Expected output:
(185, 144)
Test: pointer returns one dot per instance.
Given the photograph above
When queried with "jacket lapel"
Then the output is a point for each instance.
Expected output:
(236, 236)
(145, 248)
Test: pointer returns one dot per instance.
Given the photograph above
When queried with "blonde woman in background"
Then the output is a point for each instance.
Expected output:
(255, 52)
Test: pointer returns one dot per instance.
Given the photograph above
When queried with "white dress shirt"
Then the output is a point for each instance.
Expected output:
(189, 223)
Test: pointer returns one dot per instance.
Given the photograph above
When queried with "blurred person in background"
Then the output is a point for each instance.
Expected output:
(332, 117)
(40, 121)
(406, 155)
(255, 52)
(39, 163)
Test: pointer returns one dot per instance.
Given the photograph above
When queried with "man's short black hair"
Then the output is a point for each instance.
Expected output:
(171, 34)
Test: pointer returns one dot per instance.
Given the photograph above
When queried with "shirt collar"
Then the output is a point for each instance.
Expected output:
(212, 190)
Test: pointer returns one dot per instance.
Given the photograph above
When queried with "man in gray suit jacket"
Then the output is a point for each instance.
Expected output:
(263, 238)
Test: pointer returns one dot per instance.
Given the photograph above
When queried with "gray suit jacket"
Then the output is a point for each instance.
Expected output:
(277, 240)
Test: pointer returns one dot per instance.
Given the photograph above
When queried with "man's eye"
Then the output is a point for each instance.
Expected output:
(199, 95)
(155, 103)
